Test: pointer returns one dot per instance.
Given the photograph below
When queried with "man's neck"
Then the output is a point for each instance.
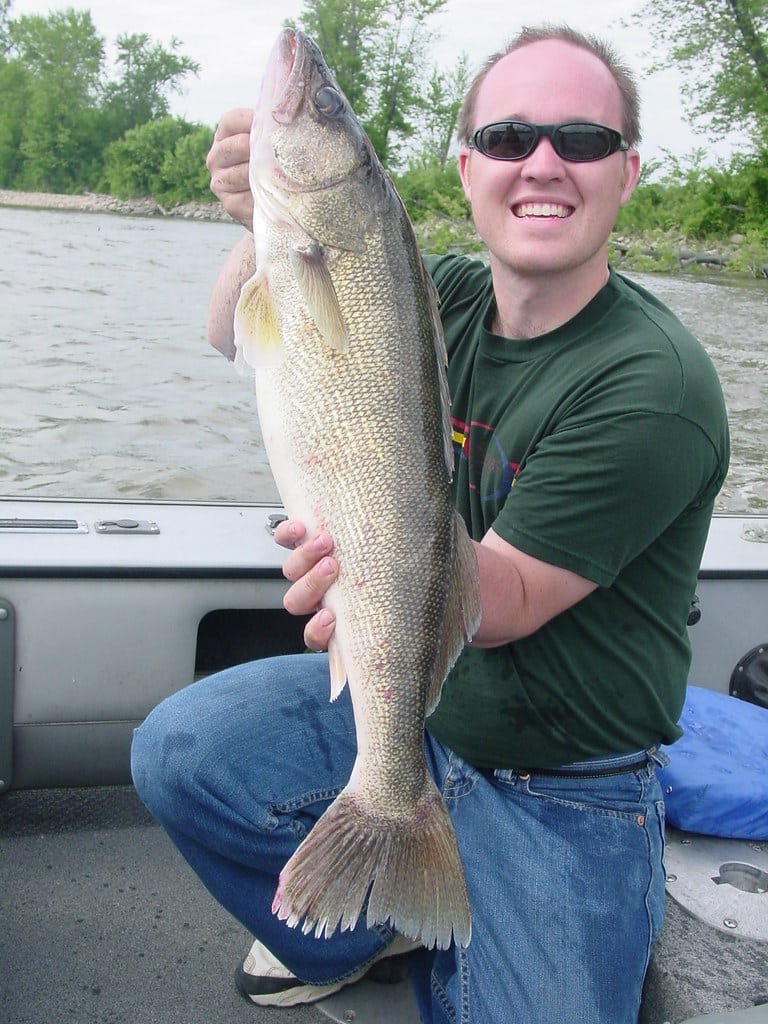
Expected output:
(529, 305)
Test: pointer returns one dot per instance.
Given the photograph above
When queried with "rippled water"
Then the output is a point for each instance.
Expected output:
(109, 389)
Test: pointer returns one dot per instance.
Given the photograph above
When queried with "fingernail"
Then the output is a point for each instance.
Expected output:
(327, 567)
(321, 542)
(325, 618)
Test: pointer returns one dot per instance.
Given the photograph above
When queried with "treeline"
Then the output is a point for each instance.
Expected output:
(70, 124)
(721, 208)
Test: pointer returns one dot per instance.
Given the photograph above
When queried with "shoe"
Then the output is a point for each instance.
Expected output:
(263, 980)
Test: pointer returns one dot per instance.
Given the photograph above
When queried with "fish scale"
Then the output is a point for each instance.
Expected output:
(339, 323)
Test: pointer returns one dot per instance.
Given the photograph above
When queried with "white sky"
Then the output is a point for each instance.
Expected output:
(231, 40)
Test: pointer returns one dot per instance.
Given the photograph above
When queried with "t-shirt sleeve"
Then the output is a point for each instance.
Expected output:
(595, 494)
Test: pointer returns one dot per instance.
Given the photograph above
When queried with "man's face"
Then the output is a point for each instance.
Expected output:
(544, 214)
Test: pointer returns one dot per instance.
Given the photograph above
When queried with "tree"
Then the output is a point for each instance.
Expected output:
(149, 72)
(133, 164)
(346, 32)
(60, 110)
(377, 50)
(722, 46)
(444, 97)
(63, 56)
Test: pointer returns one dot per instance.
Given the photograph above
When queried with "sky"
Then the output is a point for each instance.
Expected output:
(231, 40)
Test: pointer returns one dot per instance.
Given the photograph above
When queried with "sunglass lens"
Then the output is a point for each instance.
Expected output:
(511, 140)
(582, 142)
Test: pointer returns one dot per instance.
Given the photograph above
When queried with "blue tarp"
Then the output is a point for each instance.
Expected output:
(717, 780)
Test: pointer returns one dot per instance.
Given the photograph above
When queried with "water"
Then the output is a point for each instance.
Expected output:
(108, 387)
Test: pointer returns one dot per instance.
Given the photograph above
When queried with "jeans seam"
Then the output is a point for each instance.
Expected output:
(312, 796)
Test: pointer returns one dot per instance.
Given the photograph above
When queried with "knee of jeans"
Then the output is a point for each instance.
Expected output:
(160, 760)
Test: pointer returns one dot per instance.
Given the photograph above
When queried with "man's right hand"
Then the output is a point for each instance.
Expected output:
(228, 160)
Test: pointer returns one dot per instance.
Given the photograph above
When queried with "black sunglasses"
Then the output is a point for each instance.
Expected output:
(578, 141)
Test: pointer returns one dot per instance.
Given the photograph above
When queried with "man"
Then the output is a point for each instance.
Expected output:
(591, 443)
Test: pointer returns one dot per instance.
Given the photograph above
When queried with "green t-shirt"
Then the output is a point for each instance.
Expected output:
(599, 447)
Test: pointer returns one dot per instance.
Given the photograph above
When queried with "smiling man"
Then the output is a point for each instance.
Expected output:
(590, 443)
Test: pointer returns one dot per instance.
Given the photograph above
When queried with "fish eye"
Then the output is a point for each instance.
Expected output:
(328, 101)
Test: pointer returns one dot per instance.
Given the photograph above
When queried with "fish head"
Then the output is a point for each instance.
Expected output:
(312, 167)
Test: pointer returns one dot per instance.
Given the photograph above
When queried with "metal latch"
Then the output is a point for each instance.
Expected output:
(126, 526)
(274, 521)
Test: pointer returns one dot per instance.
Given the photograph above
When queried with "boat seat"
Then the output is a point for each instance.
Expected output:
(716, 783)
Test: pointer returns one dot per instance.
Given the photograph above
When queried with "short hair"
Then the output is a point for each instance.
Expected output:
(621, 72)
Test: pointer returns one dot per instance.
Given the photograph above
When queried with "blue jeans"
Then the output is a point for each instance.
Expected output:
(564, 874)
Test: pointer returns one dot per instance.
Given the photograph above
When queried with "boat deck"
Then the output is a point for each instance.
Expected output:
(104, 923)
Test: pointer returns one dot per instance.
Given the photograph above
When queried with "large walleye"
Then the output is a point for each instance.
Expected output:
(340, 324)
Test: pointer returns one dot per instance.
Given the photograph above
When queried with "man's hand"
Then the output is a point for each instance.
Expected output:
(311, 569)
(228, 163)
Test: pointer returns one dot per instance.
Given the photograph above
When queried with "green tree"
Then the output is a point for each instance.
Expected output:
(183, 175)
(377, 50)
(14, 88)
(63, 56)
(133, 164)
(722, 47)
(445, 94)
(346, 32)
(148, 73)
(5, 44)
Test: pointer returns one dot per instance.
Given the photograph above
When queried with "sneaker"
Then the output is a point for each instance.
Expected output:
(263, 980)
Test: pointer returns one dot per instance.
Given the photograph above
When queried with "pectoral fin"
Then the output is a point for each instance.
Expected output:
(314, 281)
(257, 336)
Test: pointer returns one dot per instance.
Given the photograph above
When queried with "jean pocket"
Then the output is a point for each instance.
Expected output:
(622, 796)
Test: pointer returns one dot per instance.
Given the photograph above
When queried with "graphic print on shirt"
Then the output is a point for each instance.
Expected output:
(479, 446)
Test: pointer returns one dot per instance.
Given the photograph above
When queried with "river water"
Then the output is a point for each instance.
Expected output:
(108, 388)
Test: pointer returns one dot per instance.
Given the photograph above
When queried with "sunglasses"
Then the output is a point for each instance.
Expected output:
(577, 141)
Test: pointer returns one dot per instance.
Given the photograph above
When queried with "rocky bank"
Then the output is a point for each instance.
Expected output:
(90, 202)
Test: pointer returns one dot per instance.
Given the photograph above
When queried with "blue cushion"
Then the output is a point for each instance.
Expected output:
(717, 780)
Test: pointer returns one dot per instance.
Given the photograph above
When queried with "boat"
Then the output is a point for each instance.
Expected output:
(108, 607)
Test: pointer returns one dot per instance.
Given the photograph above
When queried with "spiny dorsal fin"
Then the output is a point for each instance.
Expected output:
(257, 335)
(433, 303)
(315, 284)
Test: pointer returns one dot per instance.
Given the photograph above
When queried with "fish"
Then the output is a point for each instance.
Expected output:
(340, 326)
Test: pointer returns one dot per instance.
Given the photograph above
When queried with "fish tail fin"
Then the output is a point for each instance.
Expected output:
(462, 613)
(410, 871)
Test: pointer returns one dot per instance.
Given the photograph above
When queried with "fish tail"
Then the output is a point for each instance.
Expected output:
(409, 870)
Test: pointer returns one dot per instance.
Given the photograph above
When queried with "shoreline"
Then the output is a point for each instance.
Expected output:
(92, 202)
(666, 254)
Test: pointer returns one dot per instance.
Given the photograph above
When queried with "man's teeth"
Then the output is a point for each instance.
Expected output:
(541, 210)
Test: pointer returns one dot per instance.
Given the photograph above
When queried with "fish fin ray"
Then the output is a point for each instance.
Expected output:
(257, 335)
(337, 668)
(463, 610)
(409, 870)
(441, 356)
(316, 286)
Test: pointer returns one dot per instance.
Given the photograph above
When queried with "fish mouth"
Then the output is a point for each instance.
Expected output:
(289, 67)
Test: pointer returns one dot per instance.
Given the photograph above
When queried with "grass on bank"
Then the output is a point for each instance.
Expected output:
(689, 218)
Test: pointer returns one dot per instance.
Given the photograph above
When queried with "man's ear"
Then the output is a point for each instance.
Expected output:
(464, 169)
(631, 174)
